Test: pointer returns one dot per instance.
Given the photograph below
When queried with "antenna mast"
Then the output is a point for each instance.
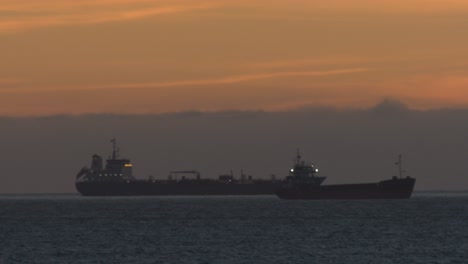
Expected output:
(399, 166)
(298, 157)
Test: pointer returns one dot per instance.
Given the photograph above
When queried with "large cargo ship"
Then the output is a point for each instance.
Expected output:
(304, 183)
(116, 179)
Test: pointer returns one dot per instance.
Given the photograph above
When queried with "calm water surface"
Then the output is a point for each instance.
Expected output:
(431, 227)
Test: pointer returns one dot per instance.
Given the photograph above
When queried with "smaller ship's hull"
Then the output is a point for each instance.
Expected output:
(389, 189)
(150, 188)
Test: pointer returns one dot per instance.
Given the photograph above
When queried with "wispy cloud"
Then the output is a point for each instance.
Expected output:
(197, 82)
(378, 7)
(240, 78)
(344, 61)
(10, 81)
(38, 14)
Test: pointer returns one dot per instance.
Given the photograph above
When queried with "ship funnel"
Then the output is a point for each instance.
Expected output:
(96, 163)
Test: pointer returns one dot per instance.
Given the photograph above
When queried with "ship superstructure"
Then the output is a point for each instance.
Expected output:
(116, 169)
(303, 173)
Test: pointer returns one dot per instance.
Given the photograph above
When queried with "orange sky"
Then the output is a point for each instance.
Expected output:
(141, 56)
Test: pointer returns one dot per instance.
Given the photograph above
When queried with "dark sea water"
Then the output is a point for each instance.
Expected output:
(431, 227)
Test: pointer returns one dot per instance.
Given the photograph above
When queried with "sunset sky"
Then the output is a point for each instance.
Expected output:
(141, 56)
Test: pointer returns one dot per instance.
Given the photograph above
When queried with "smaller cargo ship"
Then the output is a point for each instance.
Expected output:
(116, 179)
(303, 183)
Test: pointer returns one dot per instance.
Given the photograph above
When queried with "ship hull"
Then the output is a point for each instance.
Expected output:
(390, 189)
(149, 188)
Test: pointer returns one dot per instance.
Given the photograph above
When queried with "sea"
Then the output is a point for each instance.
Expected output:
(431, 227)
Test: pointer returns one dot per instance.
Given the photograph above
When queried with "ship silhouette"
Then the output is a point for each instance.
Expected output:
(116, 179)
(303, 183)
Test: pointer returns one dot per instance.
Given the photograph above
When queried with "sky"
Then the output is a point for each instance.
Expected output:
(151, 57)
(220, 85)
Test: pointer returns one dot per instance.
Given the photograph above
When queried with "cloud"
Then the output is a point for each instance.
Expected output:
(210, 94)
(425, 91)
(240, 78)
(428, 7)
(10, 81)
(202, 82)
(28, 14)
(390, 107)
(261, 143)
(21, 17)
(323, 61)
